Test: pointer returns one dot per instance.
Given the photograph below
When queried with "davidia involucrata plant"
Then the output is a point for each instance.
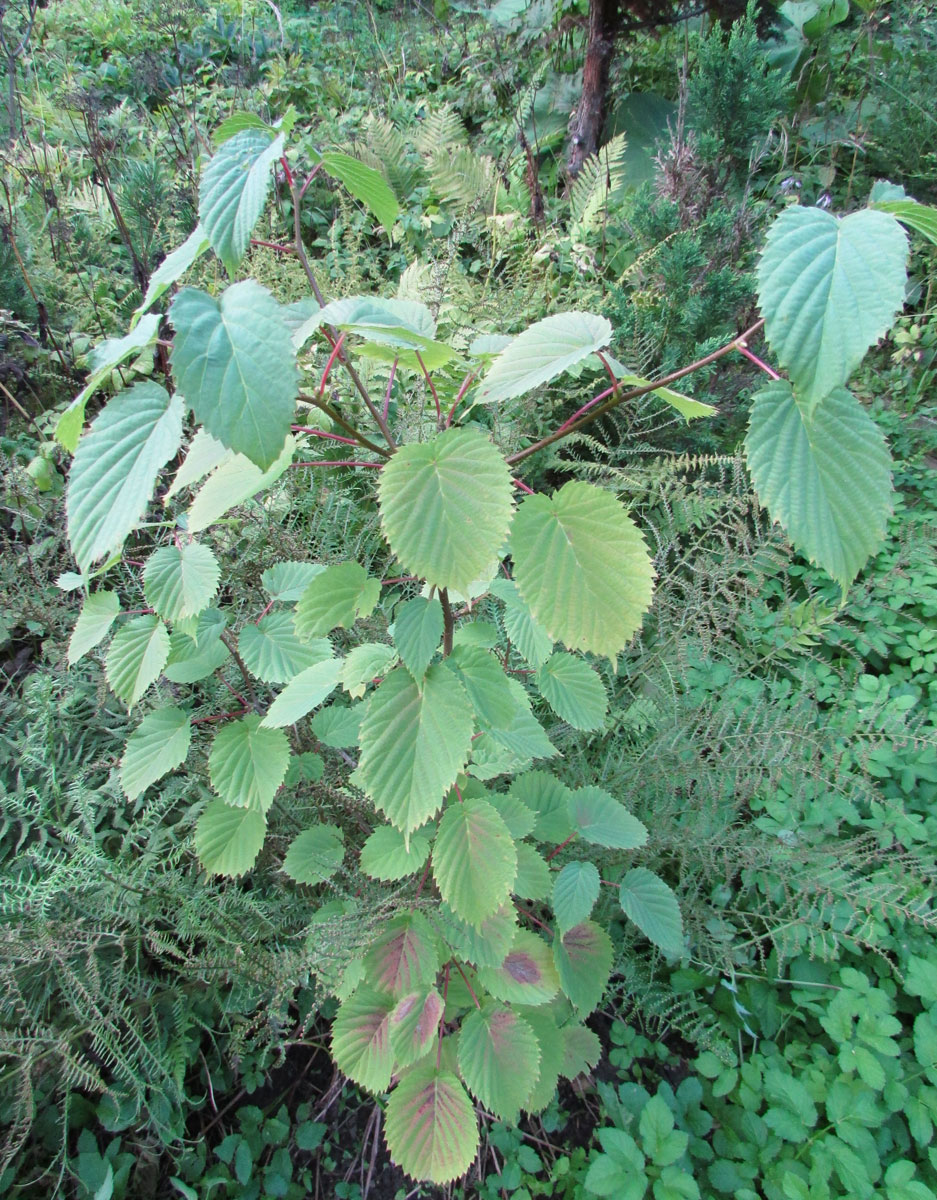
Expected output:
(505, 603)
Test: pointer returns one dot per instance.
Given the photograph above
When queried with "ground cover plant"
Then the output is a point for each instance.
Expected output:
(381, 667)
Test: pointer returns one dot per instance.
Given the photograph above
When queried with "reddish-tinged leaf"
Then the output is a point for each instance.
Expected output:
(361, 1039)
(414, 1023)
(527, 975)
(584, 960)
(499, 1058)
(404, 956)
(430, 1128)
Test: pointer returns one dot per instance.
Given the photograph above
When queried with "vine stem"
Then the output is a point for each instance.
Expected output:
(296, 195)
(566, 428)
(335, 437)
(340, 462)
(445, 996)
(432, 388)
(390, 385)
(448, 622)
(336, 351)
(561, 846)
(458, 400)
(339, 420)
(458, 967)
(246, 675)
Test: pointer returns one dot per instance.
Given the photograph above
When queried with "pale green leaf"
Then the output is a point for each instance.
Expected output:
(404, 956)
(574, 691)
(228, 840)
(430, 1126)
(248, 763)
(365, 184)
(394, 323)
(233, 482)
(523, 735)
(237, 122)
(651, 904)
(515, 813)
(542, 352)
(499, 1059)
(575, 891)
(526, 976)
(581, 1050)
(115, 468)
(476, 633)
(418, 625)
(582, 566)
(446, 507)
(135, 657)
(361, 1038)
(288, 580)
(272, 651)
(583, 957)
(235, 365)
(157, 746)
(414, 1023)
(474, 860)
(365, 664)
(315, 855)
(533, 874)
(98, 614)
(825, 478)
(181, 581)
(173, 267)
(550, 1041)
(233, 191)
(485, 946)
(339, 725)
(336, 598)
(525, 634)
(829, 288)
(548, 799)
(191, 660)
(386, 856)
(602, 820)
(489, 690)
(303, 693)
(919, 217)
(101, 361)
(414, 743)
(686, 406)
(203, 455)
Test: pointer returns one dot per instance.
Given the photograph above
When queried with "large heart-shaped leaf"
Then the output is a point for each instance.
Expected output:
(829, 288)
(542, 352)
(234, 361)
(233, 191)
(582, 567)
(474, 859)
(430, 1128)
(414, 742)
(446, 507)
(499, 1059)
(114, 470)
(825, 477)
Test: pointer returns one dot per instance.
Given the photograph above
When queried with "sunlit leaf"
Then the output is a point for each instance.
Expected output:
(157, 746)
(474, 860)
(233, 191)
(542, 352)
(136, 656)
(181, 581)
(303, 693)
(430, 1127)
(499, 1059)
(98, 614)
(404, 956)
(247, 763)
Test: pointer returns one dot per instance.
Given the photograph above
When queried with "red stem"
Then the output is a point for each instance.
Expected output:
(399, 579)
(273, 246)
(530, 917)
(390, 384)
(336, 350)
(462, 390)
(265, 611)
(237, 712)
(432, 388)
(743, 349)
(137, 612)
(286, 170)
(458, 967)
(608, 369)
(322, 434)
(523, 486)
(585, 408)
(455, 788)
(309, 178)
(423, 878)
(561, 846)
(338, 463)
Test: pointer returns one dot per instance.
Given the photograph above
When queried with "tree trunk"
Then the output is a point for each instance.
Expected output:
(586, 127)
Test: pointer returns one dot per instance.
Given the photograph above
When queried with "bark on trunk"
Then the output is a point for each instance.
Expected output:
(586, 128)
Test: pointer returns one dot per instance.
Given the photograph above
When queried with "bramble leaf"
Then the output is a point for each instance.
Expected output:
(418, 626)
(181, 581)
(386, 856)
(233, 191)
(575, 891)
(404, 956)
(228, 840)
(336, 598)
(361, 1038)
(527, 975)
(413, 1024)
(98, 614)
(499, 1059)
(583, 957)
(136, 656)
(315, 855)
(303, 693)
(651, 904)
(542, 352)
(573, 690)
(272, 651)
(602, 820)
(430, 1128)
